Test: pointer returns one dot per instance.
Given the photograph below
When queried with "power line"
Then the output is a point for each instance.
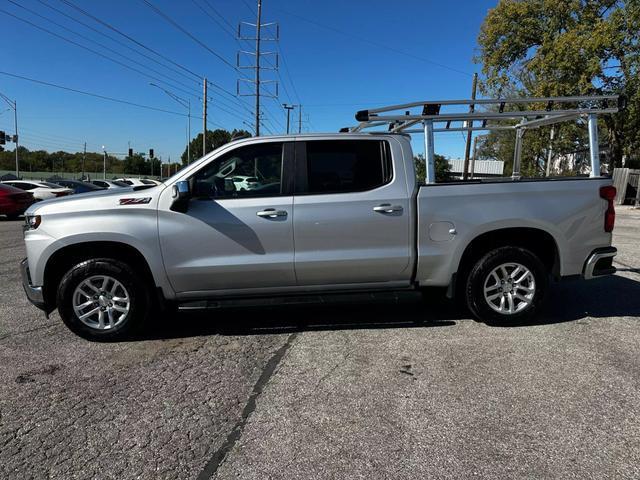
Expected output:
(286, 70)
(214, 20)
(119, 42)
(96, 95)
(186, 32)
(73, 42)
(101, 45)
(130, 38)
(371, 42)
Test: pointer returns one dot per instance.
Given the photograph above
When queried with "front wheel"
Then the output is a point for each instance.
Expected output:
(507, 285)
(102, 299)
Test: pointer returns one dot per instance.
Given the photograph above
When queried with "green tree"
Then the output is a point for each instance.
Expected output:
(215, 139)
(443, 168)
(571, 47)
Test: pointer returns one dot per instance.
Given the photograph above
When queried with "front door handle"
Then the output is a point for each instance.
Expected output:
(387, 208)
(271, 213)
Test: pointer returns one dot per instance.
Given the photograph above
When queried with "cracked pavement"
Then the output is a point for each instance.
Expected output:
(379, 390)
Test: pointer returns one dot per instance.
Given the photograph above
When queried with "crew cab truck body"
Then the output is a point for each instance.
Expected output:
(334, 213)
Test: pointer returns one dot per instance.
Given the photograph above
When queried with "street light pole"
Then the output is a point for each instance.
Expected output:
(15, 122)
(104, 163)
(288, 108)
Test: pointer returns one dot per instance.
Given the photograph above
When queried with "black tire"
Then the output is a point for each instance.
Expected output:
(480, 273)
(134, 284)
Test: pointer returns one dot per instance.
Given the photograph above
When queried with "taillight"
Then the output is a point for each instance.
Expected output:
(609, 194)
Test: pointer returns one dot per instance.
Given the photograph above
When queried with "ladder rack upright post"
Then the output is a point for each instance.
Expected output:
(429, 152)
(594, 146)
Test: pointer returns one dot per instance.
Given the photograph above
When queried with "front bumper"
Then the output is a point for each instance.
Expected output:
(34, 294)
(600, 263)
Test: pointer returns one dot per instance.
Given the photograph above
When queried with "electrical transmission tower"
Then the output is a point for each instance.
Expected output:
(274, 29)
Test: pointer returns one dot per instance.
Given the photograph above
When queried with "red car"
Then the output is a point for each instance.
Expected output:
(13, 201)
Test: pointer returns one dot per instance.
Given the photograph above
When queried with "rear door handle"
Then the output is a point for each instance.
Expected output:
(388, 208)
(271, 213)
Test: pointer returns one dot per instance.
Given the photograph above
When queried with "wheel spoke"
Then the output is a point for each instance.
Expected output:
(515, 272)
(493, 297)
(120, 309)
(100, 319)
(111, 320)
(502, 303)
(85, 304)
(521, 298)
(510, 299)
(505, 274)
(89, 313)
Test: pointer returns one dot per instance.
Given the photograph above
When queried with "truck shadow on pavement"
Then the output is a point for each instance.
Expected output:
(568, 301)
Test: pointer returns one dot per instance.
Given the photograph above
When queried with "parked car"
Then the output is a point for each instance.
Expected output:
(245, 183)
(13, 201)
(342, 213)
(110, 184)
(137, 182)
(40, 190)
(76, 185)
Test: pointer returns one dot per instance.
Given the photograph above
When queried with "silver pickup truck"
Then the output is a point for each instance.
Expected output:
(327, 213)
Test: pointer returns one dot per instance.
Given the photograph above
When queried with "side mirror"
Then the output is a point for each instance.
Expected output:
(181, 194)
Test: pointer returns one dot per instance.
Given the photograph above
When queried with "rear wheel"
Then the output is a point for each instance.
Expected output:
(102, 299)
(507, 285)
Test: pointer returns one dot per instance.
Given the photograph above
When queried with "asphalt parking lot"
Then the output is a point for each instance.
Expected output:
(407, 390)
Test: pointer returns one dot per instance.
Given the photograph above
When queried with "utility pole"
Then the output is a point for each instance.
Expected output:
(204, 117)
(258, 68)
(84, 156)
(299, 118)
(467, 148)
(257, 65)
(288, 108)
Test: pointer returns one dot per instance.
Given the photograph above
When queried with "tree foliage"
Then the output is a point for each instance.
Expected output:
(215, 139)
(443, 168)
(570, 47)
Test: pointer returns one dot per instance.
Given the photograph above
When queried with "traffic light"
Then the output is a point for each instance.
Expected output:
(3, 138)
(151, 153)
(130, 152)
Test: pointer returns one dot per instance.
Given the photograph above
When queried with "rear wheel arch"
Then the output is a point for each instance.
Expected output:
(539, 242)
(67, 257)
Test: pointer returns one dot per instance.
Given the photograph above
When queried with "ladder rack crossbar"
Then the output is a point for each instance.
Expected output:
(499, 101)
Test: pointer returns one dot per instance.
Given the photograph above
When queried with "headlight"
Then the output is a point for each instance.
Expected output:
(31, 222)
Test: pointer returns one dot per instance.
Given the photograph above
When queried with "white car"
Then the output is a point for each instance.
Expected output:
(245, 183)
(110, 184)
(136, 182)
(40, 190)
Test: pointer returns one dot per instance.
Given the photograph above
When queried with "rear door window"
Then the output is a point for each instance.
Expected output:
(343, 166)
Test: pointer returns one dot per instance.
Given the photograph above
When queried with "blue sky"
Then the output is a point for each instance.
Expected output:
(332, 50)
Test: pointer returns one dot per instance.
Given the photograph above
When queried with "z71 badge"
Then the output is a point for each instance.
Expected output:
(134, 201)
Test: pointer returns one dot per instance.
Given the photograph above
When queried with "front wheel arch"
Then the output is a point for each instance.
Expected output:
(65, 258)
